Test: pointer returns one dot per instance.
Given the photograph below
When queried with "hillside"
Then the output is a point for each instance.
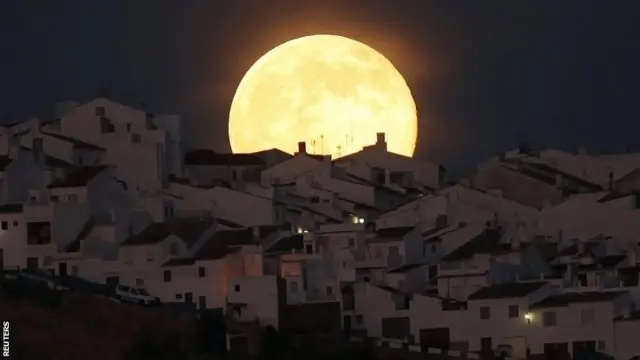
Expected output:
(73, 326)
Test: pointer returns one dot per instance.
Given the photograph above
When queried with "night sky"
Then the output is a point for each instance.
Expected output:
(485, 74)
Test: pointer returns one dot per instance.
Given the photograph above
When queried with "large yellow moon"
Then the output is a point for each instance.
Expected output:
(332, 92)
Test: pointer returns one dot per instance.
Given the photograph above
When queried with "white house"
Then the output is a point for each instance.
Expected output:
(576, 322)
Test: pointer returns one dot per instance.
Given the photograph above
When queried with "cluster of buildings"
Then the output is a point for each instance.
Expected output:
(538, 251)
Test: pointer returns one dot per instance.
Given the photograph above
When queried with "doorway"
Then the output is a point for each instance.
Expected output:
(486, 346)
(62, 269)
(347, 325)
(188, 298)
(32, 263)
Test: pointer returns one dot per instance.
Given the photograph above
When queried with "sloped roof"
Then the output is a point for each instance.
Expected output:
(509, 290)
(484, 243)
(77, 144)
(391, 233)
(4, 162)
(565, 299)
(210, 157)
(188, 230)
(79, 177)
(11, 208)
(287, 244)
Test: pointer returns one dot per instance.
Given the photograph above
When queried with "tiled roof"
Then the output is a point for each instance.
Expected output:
(11, 208)
(77, 144)
(152, 234)
(547, 174)
(74, 246)
(4, 162)
(562, 300)
(210, 157)
(188, 230)
(51, 161)
(614, 195)
(391, 233)
(226, 242)
(405, 268)
(78, 177)
(179, 262)
(287, 244)
(484, 243)
(502, 291)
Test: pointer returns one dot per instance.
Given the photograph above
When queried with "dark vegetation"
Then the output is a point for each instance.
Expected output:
(51, 325)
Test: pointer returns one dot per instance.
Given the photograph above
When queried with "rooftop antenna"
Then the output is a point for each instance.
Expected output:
(338, 148)
(322, 144)
(313, 144)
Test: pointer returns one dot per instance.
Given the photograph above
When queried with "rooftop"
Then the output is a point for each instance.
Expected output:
(78, 178)
(562, 300)
(509, 290)
(210, 157)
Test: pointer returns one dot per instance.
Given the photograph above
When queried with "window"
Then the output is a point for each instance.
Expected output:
(135, 138)
(485, 312)
(128, 127)
(549, 319)
(173, 249)
(308, 249)
(73, 198)
(5, 225)
(74, 270)
(106, 126)
(587, 316)
(359, 319)
(167, 276)
(139, 282)
(514, 311)
(100, 111)
(315, 200)
(178, 296)
(55, 198)
(201, 271)
(293, 287)
(236, 288)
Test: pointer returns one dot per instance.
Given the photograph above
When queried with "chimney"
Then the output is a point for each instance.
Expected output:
(37, 148)
(610, 180)
(302, 147)
(381, 142)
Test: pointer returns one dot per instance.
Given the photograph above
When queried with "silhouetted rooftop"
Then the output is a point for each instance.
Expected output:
(209, 157)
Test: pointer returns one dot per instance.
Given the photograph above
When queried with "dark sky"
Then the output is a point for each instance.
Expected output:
(485, 74)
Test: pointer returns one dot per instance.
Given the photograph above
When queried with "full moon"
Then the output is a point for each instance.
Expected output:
(329, 91)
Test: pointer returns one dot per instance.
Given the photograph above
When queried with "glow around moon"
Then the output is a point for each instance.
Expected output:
(332, 92)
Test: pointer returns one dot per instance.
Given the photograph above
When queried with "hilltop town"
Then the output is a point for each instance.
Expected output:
(537, 253)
